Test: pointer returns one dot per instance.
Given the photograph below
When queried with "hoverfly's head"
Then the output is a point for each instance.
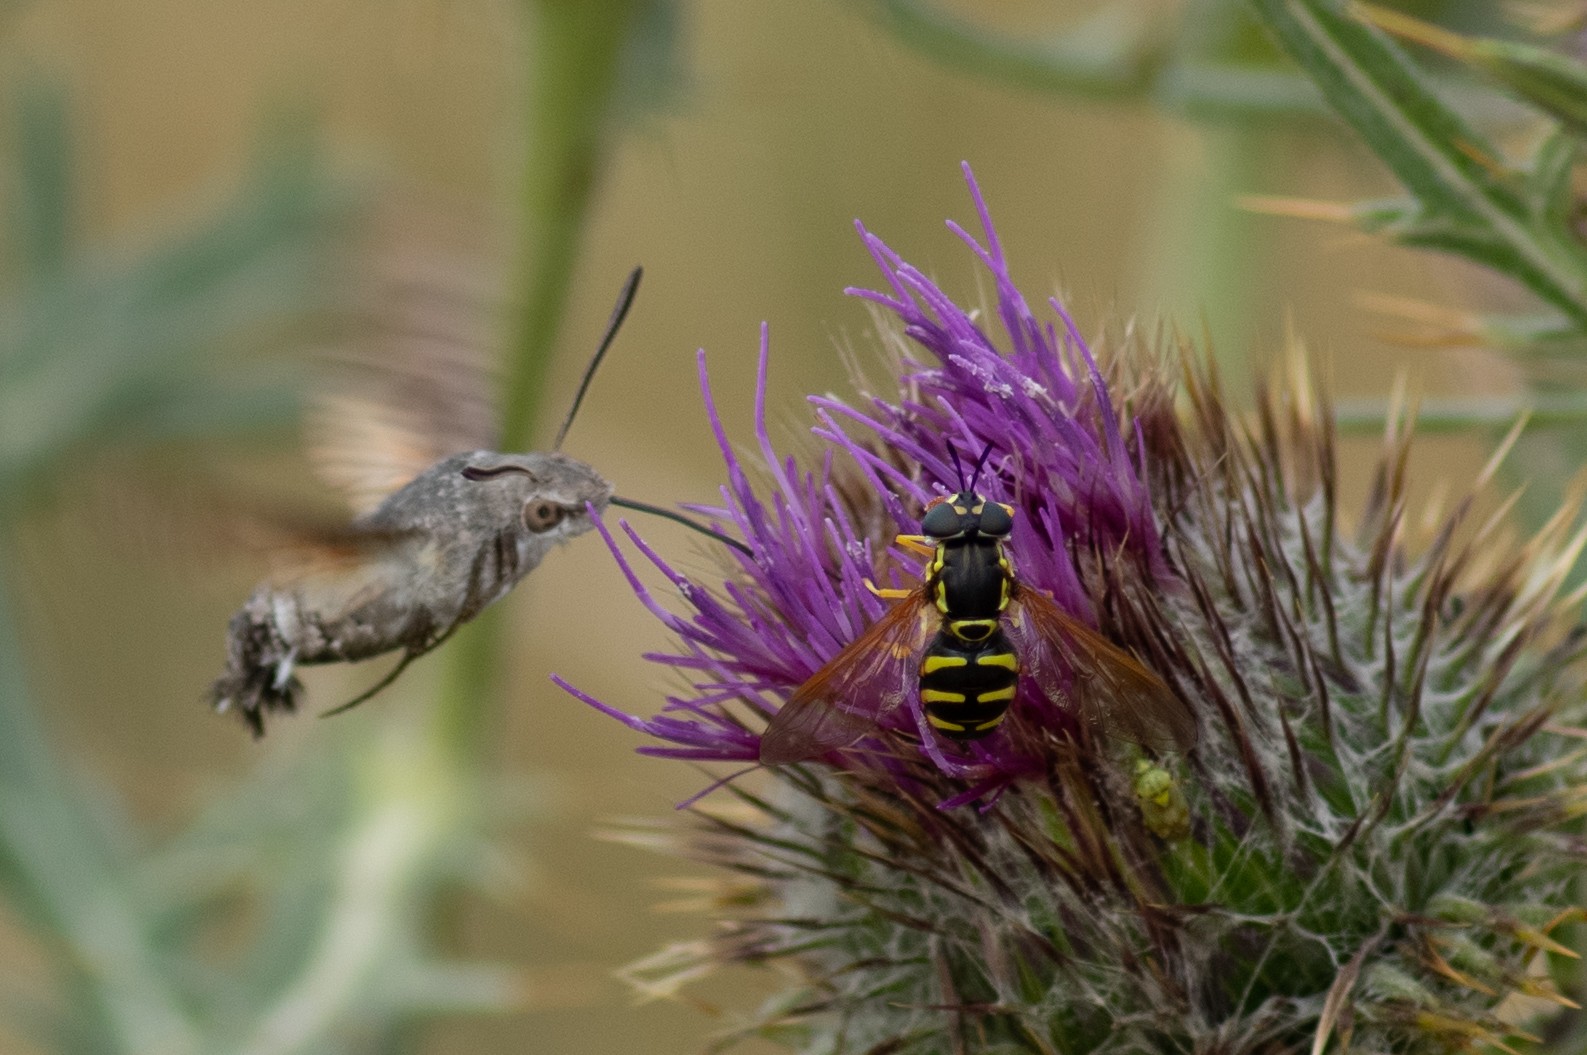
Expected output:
(548, 492)
(966, 515)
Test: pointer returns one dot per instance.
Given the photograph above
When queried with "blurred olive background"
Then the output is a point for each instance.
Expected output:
(787, 121)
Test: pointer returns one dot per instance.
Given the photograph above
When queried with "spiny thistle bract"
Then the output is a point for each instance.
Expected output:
(1371, 841)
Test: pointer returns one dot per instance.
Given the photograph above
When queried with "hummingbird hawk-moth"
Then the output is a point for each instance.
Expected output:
(444, 526)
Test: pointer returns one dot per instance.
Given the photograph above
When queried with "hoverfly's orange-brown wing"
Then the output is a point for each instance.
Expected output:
(409, 379)
(862, 684)
(1110, 689)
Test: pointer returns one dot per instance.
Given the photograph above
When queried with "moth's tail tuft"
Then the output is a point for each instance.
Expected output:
(258, 677)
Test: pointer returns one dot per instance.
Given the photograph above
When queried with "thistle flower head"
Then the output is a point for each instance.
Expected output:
(1054, 449)
(1371, 839)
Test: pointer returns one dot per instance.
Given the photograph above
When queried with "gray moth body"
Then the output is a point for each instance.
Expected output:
(427, 559)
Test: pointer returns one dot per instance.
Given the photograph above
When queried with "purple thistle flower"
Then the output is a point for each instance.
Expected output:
(1027, 391)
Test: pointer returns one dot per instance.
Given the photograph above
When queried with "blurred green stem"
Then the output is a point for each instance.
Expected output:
(1202, 251)
(1367, 416)
(467, 682)
(69, 880)
(574, 47)
(574, 52)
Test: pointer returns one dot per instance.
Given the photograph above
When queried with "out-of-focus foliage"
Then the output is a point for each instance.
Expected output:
(337, 855)
(1463, 195)
(338, 860)
(1518, 217)
(99, 345)
(1246, 60)
(1205, 58)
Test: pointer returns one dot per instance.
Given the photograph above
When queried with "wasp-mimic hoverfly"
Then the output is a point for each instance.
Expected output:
(960, 640)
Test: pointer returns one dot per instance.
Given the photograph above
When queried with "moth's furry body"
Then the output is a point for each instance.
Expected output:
(429, 558)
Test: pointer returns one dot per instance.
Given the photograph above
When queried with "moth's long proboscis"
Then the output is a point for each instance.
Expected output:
(679, 518)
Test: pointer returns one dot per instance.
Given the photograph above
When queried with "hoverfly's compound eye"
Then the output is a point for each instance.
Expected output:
(996, 520)
(543, 515)
(940, 521)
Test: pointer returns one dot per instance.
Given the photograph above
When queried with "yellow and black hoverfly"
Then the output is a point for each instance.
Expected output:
(961, 640)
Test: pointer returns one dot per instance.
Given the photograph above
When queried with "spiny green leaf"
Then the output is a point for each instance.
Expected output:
(1470, 203)
(1549, 189)
(1374, 87)
(1550, 81)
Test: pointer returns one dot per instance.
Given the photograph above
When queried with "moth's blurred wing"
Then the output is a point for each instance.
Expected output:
(862, 684)
(204, 527)
(1108, 688)
(336, 573)
(411, 383)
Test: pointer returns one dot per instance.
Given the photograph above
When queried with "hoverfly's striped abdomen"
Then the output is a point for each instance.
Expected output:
(966, 689)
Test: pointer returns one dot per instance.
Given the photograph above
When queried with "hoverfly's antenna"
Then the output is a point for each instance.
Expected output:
(471, 472)
(625, 300)
(958, 466)
(980, 463)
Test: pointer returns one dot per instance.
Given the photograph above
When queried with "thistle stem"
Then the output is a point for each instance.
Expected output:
(1566, 410)
(574, 46)
(574, 50)
(1195, 217)
(468, 684)
(1106, 56)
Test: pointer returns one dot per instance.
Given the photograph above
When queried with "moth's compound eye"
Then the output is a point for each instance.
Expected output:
(543, 515)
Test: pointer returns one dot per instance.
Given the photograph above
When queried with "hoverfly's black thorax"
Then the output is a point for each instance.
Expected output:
(968, 674)
(973, 580)
(969, 578)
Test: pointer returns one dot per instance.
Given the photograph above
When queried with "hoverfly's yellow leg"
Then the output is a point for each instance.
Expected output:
(919, 545)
